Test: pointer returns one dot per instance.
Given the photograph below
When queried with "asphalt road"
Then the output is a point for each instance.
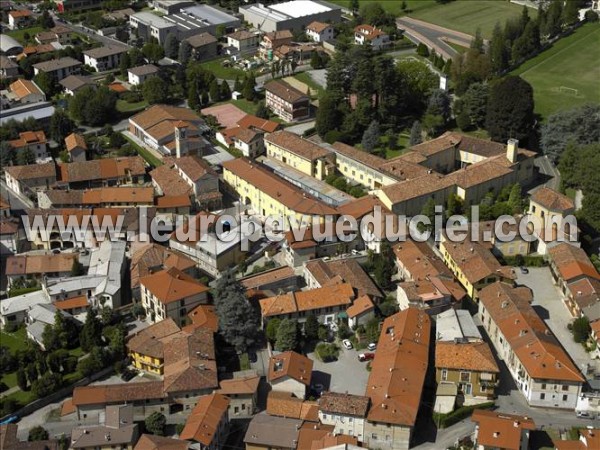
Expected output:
(433, 36)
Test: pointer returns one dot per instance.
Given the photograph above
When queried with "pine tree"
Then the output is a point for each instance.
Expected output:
(311, 328)
(214, 91)
(21, 379)
(171, 46)
(416, 133)
(225, 91)
(185, 52)
(371, 136)
(193, 98)
(498, 53)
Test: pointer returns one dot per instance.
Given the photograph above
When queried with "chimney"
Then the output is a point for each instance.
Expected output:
(512, 148)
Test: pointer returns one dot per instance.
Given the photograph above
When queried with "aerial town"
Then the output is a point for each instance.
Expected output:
(300, 224)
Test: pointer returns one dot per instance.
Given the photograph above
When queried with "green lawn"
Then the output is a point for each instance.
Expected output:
(149, 157)
(126, 107)
(307, 79)
(221, 72)
(458, 48)
(572, 63)
(460, 15)
(10, 379)
(19, 34)
(14, 341)
(245, 105)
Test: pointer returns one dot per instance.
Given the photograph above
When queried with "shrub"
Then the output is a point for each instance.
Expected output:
(327, 352)
(446, 420)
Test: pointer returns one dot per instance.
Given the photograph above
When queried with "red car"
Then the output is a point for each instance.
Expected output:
(366, 356)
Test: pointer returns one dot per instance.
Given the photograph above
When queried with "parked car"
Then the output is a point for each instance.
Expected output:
(524, 270)
(584, 415)
(372, 346)
(347, 344)
(366, 357)
(128, 374)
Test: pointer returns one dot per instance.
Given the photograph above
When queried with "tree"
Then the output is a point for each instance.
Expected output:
(552, 25)
(46, 83)
(93, 107)
(271, 330)
(238, 320)
(92, 364)
(328, 115)
(38, 433)
(577, 126)
(371, 136)
(91, 332)
(439, 104)
(25, 157)
(8, 154)
(262, 111)
(510, 112)
(581, 329)
(237, 85)
(171, 46)
(434, 124)
(21, 379)
(287, 335)
(248, 91)
(61, 125)
(45, 20)
(570, 14)
(185, 52)
(384, 266)
(316, 61)
(416, 133)
(498, 51)
(50, 339)
(125, 64)
(47, 384)
(76, 268)
(155, 90)
(515, 200)
(454, 205)
(193, 98)
(215, 93)
(156, 423)
(422, 50)
(225, 91)
(311, 328)
(428, 211)
(474, 103)
(354, 6)
(153, 52)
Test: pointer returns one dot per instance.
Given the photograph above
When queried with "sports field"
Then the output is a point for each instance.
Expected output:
(568, 74)
(460, 15)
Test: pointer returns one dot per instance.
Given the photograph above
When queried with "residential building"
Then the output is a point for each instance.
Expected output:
(75, 83)
(588, 438)
(25, 91)
(12, 238)
(495, 430)
(104, 58)
(38, 316)
(204, 46)
(287, 102)
(279, 279)
(401, 360)
(248, 142)
(76, 147)
(8, 68)
(272, 41)
(346, 412)
(242, 41)
(119, 197)
(327, 304)
(473, 265)
(63, 34)
(171, 293)
(153, 442)
(269, 432)
(10, 441)
(549, 205)
(290, 15)
(251, 145)
(151, 258)
(34, 143)
(126, 170)
(290, 372)
(20, 18)
(208, 423)
(542, 370)
(361, 312)
(299, 153)
(372, 36)
(118, 429)
(171, 130)
(30, 178)
(204, 316)
(14, 309)
(269, 195)
(426, 282)
(320, 32)
(242, 392)
(146, 348)
(58, 68)
(137, 75)
(319, 273)
(28, 267)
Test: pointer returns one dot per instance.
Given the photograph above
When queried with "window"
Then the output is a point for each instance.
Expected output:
(565, 398)
(465, 376)
(374, 436)
(565, 387)
(444, 374)
(542, 396)
(324, 416)
(543, 385)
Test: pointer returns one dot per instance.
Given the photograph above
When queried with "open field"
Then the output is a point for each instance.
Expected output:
(227, 73)
(19, 35)
(460, 15)
(567, 74)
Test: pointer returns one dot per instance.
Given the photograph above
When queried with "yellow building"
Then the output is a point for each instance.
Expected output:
(146, 348)
(299, 153)
(361, 167)
(473, 265)
(271, 196)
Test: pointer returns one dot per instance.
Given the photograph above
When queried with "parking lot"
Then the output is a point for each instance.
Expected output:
(347, 374)
(548, 303)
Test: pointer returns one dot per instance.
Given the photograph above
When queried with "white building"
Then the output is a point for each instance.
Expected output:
(104, 58)
(368, 35)
(320, 32)
(290, 372)
(346, 412)
(137, 75)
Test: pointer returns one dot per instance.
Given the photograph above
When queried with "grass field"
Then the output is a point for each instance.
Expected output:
(14, 341)
(573, 63)
(126, 107)
(19, 34)
(460, 15)
(221, 72)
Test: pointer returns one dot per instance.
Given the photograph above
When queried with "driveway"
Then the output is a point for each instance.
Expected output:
(548, 303)
(347, 374)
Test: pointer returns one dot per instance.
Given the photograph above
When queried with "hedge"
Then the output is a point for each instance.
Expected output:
(449, 419)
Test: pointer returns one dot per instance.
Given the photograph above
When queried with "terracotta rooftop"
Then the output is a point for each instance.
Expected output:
(297, 145)
(398, 371)
(270, 276)
(552, 200)
(361, 305)
(193, 167)
(317, 27)
(473, 356)
(39, 264)
(443, 143)
(203, 423)
(369, 160)
(475, 261)
(27, 138)
(125, 194)
(32, 172)
(148, 341)
(348, 270)
(75, 140)
(277, 35)
(499, 430)
(285, 91)
(368, 31)
(344, 404)
(252, 122)
(153, 442)
(239, 386)
(242, 35)
(169, 181)
(290, 364)
(202, 39)
(153, 257)
(57, 64)
(22, 88)
(538, 350)
(340, 294)
(102, 169)
(285, 404)
(277, 188)
(72, 303)
(204, 316)
(420, 261)
(427, 184)
(171, 285)
(572, 262)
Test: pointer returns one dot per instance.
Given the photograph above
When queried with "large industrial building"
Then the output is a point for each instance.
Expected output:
(185, 23)
(294, 15)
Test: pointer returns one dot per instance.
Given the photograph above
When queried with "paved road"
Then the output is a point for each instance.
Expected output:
(433, 36)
